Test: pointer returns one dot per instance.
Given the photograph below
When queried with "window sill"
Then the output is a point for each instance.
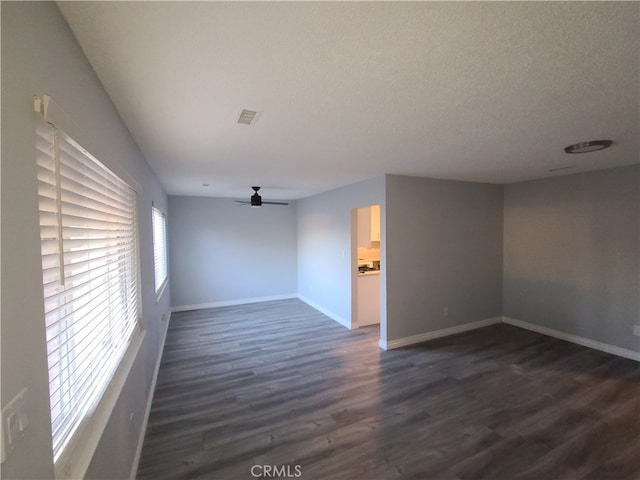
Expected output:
(160, 292)
(74, 464)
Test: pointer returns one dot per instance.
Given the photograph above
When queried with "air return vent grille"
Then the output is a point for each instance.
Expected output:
(247, 117)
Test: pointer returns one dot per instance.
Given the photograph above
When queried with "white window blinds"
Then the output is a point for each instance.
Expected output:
(89, 265)
(159, 247)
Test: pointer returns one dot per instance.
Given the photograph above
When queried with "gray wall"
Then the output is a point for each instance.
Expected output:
(571, 254)
(325, 243)
(444, 247)
(222, 252)
(41, 56)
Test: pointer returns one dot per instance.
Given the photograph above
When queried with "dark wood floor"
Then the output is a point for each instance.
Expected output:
(278, 383)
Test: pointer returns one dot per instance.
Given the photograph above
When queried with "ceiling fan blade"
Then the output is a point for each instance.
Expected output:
(256, 200)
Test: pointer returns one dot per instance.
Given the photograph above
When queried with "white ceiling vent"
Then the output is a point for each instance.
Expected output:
(248, 117)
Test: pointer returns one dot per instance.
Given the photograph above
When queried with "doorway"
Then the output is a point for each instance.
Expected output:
(365, 266)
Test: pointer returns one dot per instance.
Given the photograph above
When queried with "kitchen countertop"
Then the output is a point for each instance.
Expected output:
(372, 272)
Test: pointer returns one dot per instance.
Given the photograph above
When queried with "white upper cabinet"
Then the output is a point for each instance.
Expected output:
(364, 228)
(368, 226)
(375, 223)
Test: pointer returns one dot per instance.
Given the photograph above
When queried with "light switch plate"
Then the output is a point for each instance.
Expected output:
(14, 422)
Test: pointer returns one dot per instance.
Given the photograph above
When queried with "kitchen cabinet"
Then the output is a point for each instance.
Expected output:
(368, 226)
(368, 299)
(375, 223)
(364, 228)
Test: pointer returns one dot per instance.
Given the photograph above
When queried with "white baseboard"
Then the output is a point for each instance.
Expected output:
(585, 342)
(328, 313)
(445, 332)
(228, 303)
(152, 389)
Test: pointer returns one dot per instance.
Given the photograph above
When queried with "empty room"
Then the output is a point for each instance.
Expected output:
(320, 240)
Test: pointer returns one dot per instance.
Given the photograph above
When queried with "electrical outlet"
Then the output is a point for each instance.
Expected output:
(13, 427)
(636, 330)
(132, 424)
(445, 311)
(3, 454)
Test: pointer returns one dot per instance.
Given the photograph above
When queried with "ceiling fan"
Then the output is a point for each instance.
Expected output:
(256, 200)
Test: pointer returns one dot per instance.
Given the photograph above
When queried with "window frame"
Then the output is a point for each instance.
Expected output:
(74, 456)
(159, 289)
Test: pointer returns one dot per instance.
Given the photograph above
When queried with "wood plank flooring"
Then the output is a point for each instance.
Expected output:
(278, 383)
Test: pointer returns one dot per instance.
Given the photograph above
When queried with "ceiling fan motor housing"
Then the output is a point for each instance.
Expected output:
(256, 200)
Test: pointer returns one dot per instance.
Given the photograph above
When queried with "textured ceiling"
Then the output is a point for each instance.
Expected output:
(487, 92)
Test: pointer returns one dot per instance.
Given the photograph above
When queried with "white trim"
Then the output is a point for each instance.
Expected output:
(585, 342)
(444, 332)
(162, 289)
(155, 212)
(228, 303)
(152, 389)
(328, 313)
(79, 459)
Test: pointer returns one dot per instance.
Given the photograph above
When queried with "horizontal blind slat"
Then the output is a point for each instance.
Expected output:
(74, 170)
(77, 221)
(81, 370)
(97, 305)
(81, 185)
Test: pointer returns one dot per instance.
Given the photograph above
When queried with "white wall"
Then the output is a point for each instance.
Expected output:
(222, 252)
(40, 56)
(571, 254)
(325, 243)
(443, 248)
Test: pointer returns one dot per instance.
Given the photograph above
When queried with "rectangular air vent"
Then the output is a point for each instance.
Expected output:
(247, 117)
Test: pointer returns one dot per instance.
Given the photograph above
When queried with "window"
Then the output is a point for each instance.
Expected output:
(90, 278)
(159, 248)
